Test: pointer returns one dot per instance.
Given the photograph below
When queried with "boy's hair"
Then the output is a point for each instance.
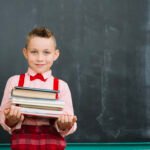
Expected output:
(39, 32)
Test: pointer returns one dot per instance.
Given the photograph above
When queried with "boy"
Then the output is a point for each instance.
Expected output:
(38, 133)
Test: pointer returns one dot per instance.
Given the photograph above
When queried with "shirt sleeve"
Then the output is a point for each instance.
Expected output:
(11, 83)
(65, 95)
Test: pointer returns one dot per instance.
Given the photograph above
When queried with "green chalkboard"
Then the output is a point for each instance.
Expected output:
(105, 58)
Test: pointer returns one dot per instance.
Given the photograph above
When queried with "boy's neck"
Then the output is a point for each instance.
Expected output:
(45, 74)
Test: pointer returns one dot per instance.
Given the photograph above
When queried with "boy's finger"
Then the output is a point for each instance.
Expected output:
(6, 111)
(8, 104)
(74, 118)
(22, 117)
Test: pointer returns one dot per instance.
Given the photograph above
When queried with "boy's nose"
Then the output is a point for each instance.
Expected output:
(40, 57)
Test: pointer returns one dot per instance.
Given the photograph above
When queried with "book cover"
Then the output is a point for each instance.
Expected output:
(34, 92)
(36, 89)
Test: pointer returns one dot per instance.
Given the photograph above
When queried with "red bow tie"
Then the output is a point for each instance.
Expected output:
(38, 76)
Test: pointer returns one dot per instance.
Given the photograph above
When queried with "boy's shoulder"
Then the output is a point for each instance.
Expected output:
(13, 78)
(17, 76)
(61, 80)
(63, 83)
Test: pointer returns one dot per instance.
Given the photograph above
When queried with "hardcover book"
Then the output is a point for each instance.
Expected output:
(40, 112)
(34, 92)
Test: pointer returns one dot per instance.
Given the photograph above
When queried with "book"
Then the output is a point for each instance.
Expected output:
(40, 112)
(41, 107)
(35, 102)
(34, 92)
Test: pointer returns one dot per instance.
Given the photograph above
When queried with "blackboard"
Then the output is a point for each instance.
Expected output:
(105, 58)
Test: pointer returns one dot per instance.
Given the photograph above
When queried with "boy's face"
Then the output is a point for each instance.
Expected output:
(41, 53)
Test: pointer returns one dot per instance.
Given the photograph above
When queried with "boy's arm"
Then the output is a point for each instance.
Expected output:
(65, 95)
(6, 104)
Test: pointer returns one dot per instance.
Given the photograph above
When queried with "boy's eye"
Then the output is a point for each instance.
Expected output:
(33, 52)
(47, 52)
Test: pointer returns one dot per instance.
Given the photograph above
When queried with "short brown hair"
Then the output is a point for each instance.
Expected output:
(40, 32)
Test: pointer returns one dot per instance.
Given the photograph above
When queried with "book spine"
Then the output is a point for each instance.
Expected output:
(16, 97)
(59, 103)
(42, 111)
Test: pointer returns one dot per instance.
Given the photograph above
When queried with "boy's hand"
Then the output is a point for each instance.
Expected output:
(13, 115)
(65, 122)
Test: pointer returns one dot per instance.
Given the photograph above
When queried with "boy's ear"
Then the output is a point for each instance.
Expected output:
(25, 52)
(57, 53)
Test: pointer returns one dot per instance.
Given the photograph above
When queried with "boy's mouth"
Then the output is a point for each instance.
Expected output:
(40, 65)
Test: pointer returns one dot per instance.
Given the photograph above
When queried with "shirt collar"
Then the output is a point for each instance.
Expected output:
(45, 74)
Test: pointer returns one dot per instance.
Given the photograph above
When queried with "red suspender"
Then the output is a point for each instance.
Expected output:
(55, 86)
(21, 80)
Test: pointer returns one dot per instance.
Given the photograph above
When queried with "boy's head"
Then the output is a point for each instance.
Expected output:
(40, 32)
(40, 49)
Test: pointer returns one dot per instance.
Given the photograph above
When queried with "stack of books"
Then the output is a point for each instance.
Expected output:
(37, 102)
